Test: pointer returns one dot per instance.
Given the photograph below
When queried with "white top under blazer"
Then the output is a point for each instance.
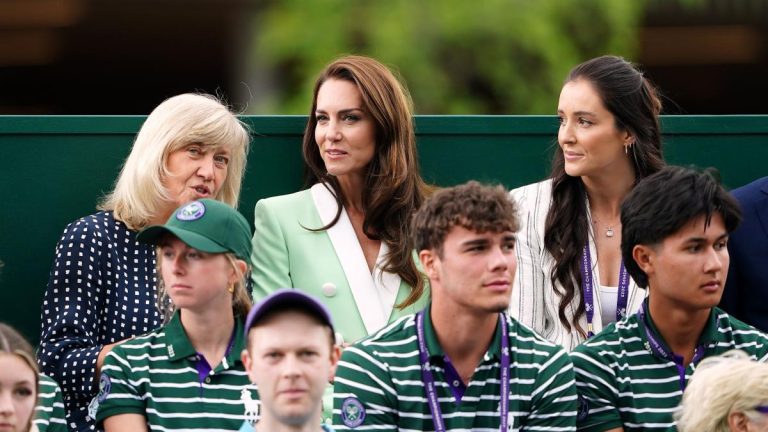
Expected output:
(534, 300)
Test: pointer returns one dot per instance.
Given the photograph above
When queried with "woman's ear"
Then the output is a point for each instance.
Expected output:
(738, 421)
(241, 268)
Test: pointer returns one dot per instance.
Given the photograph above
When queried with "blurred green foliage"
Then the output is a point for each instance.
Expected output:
(456, 56)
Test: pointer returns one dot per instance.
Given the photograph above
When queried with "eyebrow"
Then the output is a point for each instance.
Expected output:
(704, 239)
(476, 242)
(578, 113)
(344, 111)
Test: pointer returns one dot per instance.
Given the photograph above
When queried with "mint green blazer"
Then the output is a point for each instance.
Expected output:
(328, 264)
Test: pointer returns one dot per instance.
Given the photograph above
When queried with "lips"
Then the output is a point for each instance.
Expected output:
(335, 153)
(572, 155)
(498, 284)
(293, 392)
(201, 191)
(713, 285)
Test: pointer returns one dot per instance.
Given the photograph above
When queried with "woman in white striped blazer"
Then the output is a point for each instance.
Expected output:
(570, 280)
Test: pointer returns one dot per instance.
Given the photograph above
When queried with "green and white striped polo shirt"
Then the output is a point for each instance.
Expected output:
(379, 386)
(155, 375)
(622, 383)
(49, 412)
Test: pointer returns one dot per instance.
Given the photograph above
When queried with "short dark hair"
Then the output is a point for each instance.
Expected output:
(664, 202)
(473, 206)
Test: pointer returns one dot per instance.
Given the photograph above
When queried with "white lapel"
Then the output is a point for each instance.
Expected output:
(387, 284)
(375, 294)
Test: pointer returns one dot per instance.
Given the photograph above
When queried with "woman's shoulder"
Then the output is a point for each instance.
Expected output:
(538, 188)
(534, 194)
(286, 201)
(97, 225)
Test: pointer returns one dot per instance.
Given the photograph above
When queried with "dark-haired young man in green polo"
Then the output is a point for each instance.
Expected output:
(631, 376)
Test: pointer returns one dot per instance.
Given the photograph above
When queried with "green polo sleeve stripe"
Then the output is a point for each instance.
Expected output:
(49, 411)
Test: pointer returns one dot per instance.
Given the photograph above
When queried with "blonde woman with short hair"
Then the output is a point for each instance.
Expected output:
(726, 393)
(101, 288)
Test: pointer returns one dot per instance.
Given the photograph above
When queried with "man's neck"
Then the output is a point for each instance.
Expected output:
(268, 424)
(464, 337)
(681, 328)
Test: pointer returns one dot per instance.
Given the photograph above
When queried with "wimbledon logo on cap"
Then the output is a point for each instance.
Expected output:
(192, 211)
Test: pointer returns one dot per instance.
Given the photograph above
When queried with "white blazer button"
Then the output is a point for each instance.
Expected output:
(329, 289)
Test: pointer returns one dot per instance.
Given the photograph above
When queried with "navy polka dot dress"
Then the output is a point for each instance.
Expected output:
(101, 290)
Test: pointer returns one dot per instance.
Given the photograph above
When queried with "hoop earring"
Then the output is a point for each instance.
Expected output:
(231, 288)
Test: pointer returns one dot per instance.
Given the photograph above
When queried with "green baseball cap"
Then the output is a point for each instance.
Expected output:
(206, 225)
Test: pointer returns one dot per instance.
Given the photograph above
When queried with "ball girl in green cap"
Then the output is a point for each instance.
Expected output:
(187, 375)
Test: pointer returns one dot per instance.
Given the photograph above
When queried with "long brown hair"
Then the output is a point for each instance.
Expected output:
(12, 342)
(636, 106)
(394, 189)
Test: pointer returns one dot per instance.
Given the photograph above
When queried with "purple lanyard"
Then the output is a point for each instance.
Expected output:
(659, 350)
(429, 380)
(589, 297)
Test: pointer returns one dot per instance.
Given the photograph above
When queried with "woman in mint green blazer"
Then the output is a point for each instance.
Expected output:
(347, 238)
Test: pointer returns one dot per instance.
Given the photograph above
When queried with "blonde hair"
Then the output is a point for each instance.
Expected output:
(188, 118)
(13, 343)
(720, 386)
(241, 301)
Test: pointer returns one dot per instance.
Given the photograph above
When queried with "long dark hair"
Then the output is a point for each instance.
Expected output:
(394, 189)
(635, 105)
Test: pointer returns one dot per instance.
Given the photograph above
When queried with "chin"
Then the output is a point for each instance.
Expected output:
(294, 418)
(573, 172)
(499, 307)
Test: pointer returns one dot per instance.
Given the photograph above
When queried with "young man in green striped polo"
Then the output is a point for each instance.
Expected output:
(632, 375)
(462, 363)
(291, 356)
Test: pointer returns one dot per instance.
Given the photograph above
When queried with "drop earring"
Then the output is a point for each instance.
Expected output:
(628, 146)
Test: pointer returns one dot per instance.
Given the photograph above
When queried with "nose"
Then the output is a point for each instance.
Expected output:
(176, 264)
(6, 403)
(500, 259)
(715, 260)
(332, 131)
(565, 134)
(290, 366)
(206, 168)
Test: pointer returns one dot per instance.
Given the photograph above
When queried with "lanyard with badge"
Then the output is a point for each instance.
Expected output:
(587, 287)
(659, 350)
(429, 380)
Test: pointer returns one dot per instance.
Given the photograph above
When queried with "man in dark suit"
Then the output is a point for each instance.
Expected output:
(746, 289)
